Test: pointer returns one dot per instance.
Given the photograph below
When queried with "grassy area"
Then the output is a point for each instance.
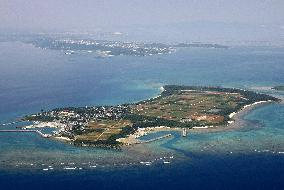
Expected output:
(102, 131)
(190, 105)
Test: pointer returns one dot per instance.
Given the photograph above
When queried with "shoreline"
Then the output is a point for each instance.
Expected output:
(60, 138)
(238, 120)
(132, 139)
(237, 123)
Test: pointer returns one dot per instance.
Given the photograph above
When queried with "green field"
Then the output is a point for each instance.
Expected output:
(190, 105)
(102, 131)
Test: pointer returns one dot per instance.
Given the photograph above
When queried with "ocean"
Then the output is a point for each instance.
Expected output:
(32, 79)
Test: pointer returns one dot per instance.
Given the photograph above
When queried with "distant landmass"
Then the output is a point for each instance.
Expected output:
(103, 48)
(200, 45)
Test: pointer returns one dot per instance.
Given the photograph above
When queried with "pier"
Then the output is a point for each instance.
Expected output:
(155, 139)
(26, 131)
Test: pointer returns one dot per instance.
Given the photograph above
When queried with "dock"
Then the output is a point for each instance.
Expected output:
(26, 131)
(155, 139)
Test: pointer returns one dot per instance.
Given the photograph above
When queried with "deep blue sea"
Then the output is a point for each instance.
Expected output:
(32, 79)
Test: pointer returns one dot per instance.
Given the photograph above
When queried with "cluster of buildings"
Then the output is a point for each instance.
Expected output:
(104, 47)
(76, 119)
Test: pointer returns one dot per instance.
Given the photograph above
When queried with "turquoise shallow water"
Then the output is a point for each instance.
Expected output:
(32, 79)
(262, 134)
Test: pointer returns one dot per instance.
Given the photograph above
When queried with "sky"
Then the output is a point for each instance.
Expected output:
(83, 15)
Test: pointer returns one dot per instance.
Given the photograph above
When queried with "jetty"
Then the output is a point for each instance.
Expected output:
(155, 139)
(26, 131)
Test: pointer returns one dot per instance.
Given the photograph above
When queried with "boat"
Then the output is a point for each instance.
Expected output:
(184, 132)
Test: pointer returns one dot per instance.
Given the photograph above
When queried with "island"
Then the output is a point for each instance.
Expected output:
(176, 108)
(199, 45)
(101, 48)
